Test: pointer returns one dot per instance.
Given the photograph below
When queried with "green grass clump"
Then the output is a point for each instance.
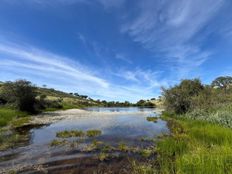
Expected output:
(152, 119)
(93, 133)
(71, 133)
(123, 147)
(20, 122)
(8, 114)
(138, 168)
(58, 142)
(146, 152)
(11, 139)
(103, 156)
(78, 133)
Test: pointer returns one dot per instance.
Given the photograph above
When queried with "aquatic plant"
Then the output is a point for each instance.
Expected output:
(152, 119)
(107, 148)
(58, 142)
(93, 133)
(9, 139)
(71, 133)
(103, 156)
(146, 152)
(123, 147)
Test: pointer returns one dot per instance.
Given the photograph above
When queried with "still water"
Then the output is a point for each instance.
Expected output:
(118, 125)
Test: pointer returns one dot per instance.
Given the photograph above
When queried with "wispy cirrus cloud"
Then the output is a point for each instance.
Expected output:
(61, 72)
(171, 28)
(36, 59)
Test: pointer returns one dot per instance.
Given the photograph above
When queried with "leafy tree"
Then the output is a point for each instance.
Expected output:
(178, 99)
(20, 93)
(223, 82)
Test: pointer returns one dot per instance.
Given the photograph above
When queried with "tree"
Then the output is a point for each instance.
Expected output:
(178, 99)
(223, 82)
(20, 93)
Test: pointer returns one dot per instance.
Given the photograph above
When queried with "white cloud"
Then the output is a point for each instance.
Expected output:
(171, 28)
(43, 67)
(44, 61)
(123, 58)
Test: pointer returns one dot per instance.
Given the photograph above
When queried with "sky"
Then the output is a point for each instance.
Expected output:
(115, 49)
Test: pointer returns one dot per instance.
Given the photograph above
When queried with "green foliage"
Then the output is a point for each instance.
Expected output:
(178, 98)
(71, 133)
(152, 119)
(21, 94)
(198, 147)
(145, 103)
(78, 133)
(58, 142)
(10, 139)
(139, 168)
(93, 133)
(146, 153)
(8, 114)
(103, 156)
(222, 82)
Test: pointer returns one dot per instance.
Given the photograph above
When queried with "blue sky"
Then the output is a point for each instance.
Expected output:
(115, 49)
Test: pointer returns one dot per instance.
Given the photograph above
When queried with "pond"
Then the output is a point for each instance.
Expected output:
(121, 129)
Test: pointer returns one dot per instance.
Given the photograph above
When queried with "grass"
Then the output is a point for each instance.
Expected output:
(93, 133)
(152, 119)
(78, 133)
(10, 139)
(195, 147)
(123, 147)
(58, 142)
(9, 114)
(16, 123)
(103, 156)
(146, 153)
(71, 133)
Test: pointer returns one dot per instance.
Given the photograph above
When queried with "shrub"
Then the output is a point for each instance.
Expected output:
(21, 94)
(178, 99)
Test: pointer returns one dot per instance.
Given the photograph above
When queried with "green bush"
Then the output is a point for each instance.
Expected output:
(21, 94)
(178, 99)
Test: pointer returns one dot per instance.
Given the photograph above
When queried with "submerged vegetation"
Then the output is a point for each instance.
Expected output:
(152, 119)
(78, 133)
(71, 133)
(93, 133)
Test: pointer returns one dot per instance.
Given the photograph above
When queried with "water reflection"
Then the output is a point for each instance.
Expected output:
(127, 125)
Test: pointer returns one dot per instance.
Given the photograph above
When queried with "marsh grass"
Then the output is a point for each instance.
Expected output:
(58, 142)
(146, 152)
(9, 114)
(78, 133)
(103, 156)
(10, 139)
(123, 147)
(152, 119)
(93, 133)
(195, 147)
(71, 133)
(17, 123)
